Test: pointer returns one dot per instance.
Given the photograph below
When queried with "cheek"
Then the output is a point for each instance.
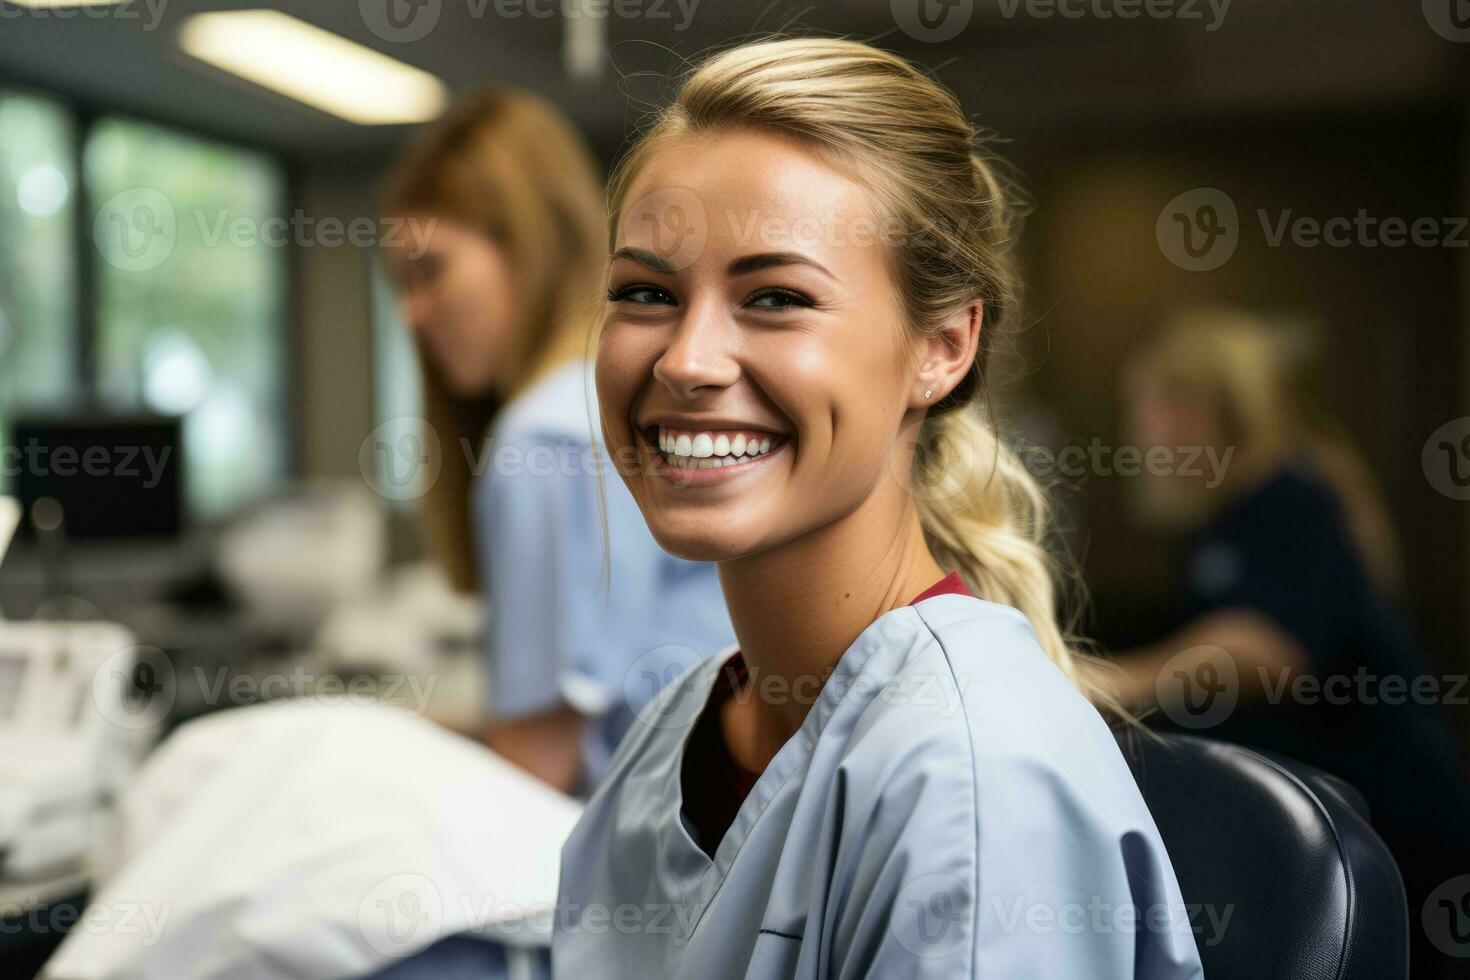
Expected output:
(625, 359)
(846, 401)
(478, 311)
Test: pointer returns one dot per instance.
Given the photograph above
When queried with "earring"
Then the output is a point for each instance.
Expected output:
(928, 393)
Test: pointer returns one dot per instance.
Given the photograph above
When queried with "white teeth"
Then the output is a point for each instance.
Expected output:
(704, 450)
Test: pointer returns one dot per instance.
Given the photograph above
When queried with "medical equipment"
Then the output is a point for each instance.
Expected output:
(71, 728)
(293, 559)
(420, 637)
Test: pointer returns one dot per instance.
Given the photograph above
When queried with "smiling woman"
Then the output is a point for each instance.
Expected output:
(902, 754)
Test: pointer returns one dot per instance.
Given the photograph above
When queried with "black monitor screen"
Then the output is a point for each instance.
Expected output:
(115, 477)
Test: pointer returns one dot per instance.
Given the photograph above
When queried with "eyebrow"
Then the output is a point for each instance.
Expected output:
(643, 257)
(744, 265)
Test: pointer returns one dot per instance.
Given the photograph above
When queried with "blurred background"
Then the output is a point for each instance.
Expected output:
(191, 293)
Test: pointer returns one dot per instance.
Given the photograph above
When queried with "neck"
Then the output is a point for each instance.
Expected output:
(798, 607)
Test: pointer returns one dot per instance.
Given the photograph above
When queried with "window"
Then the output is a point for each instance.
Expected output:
(152, 281)
(189, 299)
(398, 398)
(38, 322)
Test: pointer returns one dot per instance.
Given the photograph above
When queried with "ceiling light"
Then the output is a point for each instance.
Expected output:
(317, 67)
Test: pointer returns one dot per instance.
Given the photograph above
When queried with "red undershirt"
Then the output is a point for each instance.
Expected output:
(714, 783)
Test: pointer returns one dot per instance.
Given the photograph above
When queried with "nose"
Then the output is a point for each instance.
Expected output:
(700, 354)
(414, 307)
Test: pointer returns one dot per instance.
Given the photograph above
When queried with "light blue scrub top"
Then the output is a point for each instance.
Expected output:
(561, 630)
(951, 807)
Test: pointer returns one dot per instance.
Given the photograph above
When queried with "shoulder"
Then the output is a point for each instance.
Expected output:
(1294, 504)
(561, 405)
(543, 439)
(1004, 798)
(976, 705)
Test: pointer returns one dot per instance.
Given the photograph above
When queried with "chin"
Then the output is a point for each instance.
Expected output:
(1167, 509)
(701, 540)
(697, 546)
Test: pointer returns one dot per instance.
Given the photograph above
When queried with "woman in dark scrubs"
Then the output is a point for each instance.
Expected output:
(1286, 639)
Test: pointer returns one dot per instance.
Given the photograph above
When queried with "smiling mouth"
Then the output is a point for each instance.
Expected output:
(710, 449)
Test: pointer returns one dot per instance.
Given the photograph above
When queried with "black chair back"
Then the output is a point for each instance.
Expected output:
(1283, 875)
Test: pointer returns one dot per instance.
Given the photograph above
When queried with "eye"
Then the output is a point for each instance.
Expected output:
(640, 292)
(777, 298)
(427, 267)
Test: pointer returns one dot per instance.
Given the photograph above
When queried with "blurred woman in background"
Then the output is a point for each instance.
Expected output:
(501, 290)
(500, 293)
(1290, 567)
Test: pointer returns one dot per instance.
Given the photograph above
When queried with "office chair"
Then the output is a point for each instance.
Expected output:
(1285, 851)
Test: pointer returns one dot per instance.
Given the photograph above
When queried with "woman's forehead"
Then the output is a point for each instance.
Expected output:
(746, 191)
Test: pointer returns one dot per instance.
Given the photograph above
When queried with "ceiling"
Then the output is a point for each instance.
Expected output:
(1016, 69)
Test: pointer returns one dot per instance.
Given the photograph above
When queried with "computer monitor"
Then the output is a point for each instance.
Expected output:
(114, 476)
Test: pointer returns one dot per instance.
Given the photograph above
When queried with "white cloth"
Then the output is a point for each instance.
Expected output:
(308, 840)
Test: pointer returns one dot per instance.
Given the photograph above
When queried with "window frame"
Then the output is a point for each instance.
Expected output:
(85, 113)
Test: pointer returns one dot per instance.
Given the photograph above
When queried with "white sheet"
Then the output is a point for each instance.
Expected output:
(307, 840)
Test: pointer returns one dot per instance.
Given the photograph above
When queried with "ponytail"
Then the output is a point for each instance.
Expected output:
(986, 517)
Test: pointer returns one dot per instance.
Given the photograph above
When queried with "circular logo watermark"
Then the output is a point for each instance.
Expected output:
(135, 688)
(1446, 917)
(400, 21)
(929, 916)
(932, 21)
(400, 914)
(1198, 230)
(651, 692)
(136, 230)
(401, 459)
(1446, 459)
(943, 462)
(1450, 19)
(675, 223)
(1198, 687)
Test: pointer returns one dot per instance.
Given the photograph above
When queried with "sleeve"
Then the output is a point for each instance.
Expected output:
(1298, 568)
(1041, 884)
(556, 632)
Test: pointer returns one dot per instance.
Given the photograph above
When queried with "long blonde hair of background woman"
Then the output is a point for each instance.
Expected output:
(509, 164)
(879, 119)
(1261, 378)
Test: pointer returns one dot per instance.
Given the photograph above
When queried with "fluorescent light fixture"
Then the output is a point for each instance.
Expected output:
(317, 67)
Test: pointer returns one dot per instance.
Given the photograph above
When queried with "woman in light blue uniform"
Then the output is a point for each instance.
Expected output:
(498, 262)
(498, 267)
(900, 770)
(565, 628)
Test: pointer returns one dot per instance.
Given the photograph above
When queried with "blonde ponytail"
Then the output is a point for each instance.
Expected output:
(986, 517)
(878, 118)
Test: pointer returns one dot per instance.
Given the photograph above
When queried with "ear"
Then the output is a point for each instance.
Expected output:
(943, 359)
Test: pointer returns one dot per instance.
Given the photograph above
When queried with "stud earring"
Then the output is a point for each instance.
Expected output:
(928, 393)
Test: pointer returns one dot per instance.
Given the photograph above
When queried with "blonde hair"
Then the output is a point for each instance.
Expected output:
(877, 117)
(1259, 376)
(510, 165)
